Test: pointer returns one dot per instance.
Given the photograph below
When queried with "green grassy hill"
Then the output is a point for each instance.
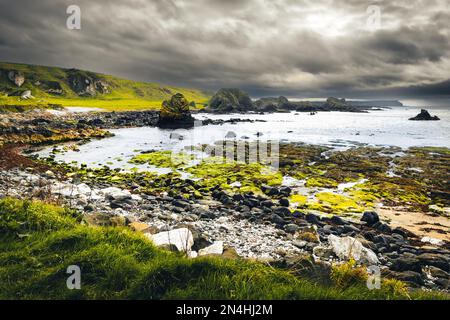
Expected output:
(73, 87)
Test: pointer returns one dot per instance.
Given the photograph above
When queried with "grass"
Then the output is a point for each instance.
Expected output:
(39, 241)
(123, 94)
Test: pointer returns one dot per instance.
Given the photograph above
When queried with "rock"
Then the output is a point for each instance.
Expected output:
(370, 218)
(291, 228)
(424, 115)
(140, 227)
(284, 202)
(175, 113)
(433, 241)
(440, 261)
(26, 95)
(230, 100)
(230, 253)
(176, 136)
(49, 174)
(299, 243)
(277, 219)
(215, 249)
(405, 262)
(348, 247)
(18, 78)
(182, 239)
(282, 211)
(413, 279)
(338, 220)
(323, 252)
(312, 218)
(445, 211)
(113, 193)
(231, 135)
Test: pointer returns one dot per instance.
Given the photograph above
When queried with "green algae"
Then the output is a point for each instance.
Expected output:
(163, 159)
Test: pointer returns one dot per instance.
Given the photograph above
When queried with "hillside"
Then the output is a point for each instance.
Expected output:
(73, 87)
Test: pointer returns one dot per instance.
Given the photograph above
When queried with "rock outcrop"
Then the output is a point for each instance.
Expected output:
(175, 113)
(272, 104)
(230, 100)
(85, 84)
(424, 115)
(17, 77)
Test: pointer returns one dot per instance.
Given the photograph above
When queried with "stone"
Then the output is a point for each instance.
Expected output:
(433, 241)
(181, 238)
(26, 95)
(291, 228)
(440, 261)
(348, 247)
(282, 211)
(215, 249)
(370, 218)
(231, 135)
(176, 136)
(113, 193)
(424, 115)
(140, 227)
(277, 219)
(230, 100)
(284, 202)
(312, 218)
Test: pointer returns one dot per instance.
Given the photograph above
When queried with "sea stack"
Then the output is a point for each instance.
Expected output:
(424, 115)
(175, 113)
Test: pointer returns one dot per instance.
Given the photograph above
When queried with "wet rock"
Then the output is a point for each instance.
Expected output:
(406, 262)
(175, 113)
(338, 220)
(284, 202)
(440, 261)
(282, 211)
(312, 218)
(291, 228)
(424, 115)
(277, 220)
(176, 136)
(370, 218)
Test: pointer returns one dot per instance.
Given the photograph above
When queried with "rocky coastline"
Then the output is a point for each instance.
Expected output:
(259, 223)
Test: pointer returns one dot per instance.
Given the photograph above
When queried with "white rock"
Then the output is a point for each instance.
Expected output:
(348, 247)
(180, 238)
(193, 254)
(230, 135)
(434, 241)
(116, 193)
(215, 248)
(236, 184)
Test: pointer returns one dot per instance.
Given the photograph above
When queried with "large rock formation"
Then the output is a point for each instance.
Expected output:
(424, 115)
(230, 100)
(175, 113)
(17, 77)
(272, 104)
(85, 84)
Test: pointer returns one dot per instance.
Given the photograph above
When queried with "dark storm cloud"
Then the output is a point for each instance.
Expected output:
(299, 48)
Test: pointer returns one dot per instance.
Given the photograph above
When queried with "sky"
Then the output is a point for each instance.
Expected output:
(296, 48)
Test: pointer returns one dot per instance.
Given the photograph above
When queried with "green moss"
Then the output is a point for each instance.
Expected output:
(321, 183)
(336, 203)
(251, 177)
(117, 263)
(163, 159)
(298, 199)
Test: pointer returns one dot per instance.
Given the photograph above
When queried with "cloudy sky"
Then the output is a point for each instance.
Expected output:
(298, 48)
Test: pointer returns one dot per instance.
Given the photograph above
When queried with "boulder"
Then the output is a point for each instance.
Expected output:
(348, 247)
(424, 115)
(370, 218)
(215, 249)
(113, 193)
(181, 239)
(26, 95)
(230, 135)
